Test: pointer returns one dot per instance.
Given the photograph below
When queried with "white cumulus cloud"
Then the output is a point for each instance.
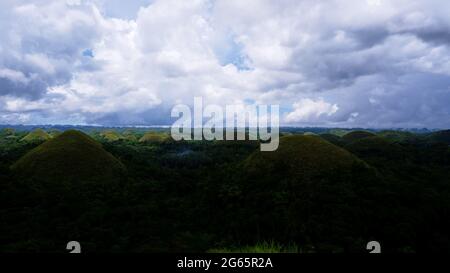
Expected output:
(308, 110)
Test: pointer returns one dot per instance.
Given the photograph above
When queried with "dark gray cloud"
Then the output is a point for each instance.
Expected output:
(31, 90)
(43, 40)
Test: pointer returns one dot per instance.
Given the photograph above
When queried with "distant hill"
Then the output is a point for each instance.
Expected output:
(154, 137)
(334, 139)
(128, 132)
(398, 136)
(54, 132)
(375, 148)
(356, 135)
(130, 135)
(131, 138)
(7, 132)
(440, 136)
(70, 157)
(339, 132)
(36, 136)
(111, 135)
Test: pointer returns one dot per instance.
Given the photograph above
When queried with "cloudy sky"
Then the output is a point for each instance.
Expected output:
(346, 63)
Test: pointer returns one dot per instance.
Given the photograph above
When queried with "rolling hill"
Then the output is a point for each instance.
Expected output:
(334, 139)
(356, 135)
(8, 132)
(70, 157)
(305, 183)
(398, 136)
(36, 136)
(111, 135)
(154, 137)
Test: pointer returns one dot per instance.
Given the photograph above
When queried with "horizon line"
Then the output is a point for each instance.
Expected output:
(169, 126)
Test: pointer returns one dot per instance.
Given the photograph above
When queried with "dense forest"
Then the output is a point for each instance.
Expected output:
(137, 190)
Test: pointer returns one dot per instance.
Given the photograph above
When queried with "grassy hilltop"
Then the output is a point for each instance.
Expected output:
(71, 156)
(37, 135)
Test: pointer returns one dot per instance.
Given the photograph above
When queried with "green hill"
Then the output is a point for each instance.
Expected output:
(398, 136)
(111, 135)
(8, 132)
(376, 149)
(130, 135)
(339, 132)
(72, 156)
(306, 190)
(36, 136)
(155, 137)
(303, 157)
(54, 133)
(131, 138)
(128, 132)
(334, 139)
(355, 135)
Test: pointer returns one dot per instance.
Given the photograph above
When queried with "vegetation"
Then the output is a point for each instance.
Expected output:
(307, 180)
(70, 157)
(129, 135)
(154, 137)
(316, 193)
(111, 135)
(37, 135)
(264, 247)
(356, 135)
(54, 133)
(440, 137)
(334, 139)
(8, 132)
(398, 136)
(339, 132)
